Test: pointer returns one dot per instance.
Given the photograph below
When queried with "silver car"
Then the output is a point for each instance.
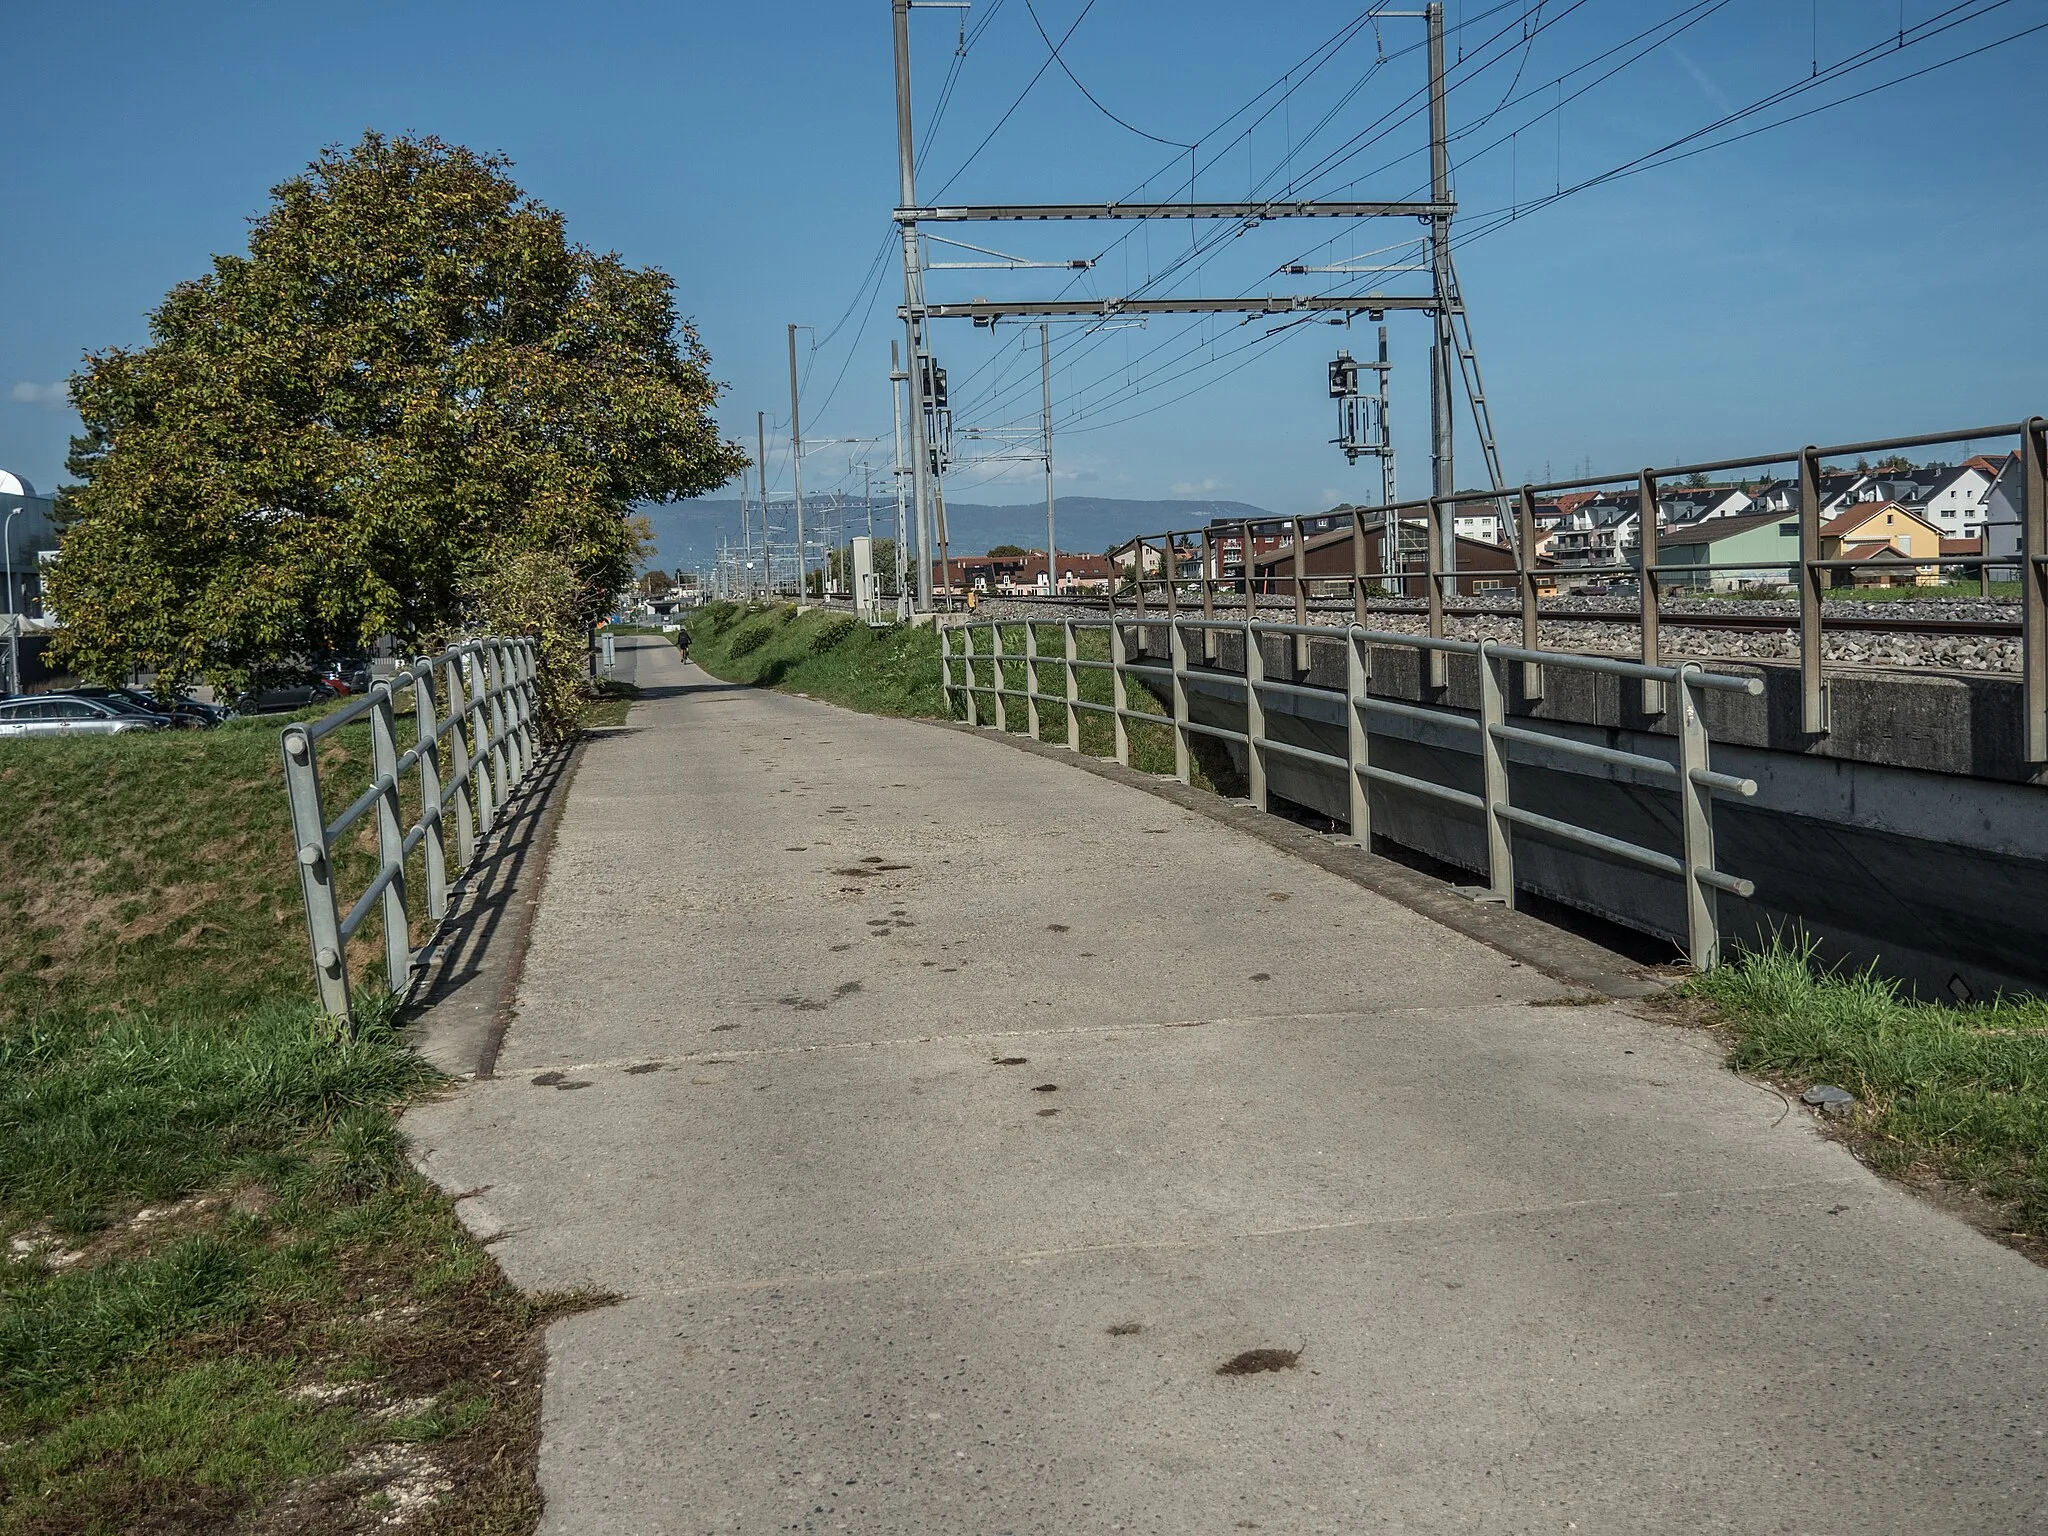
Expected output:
(56, 714)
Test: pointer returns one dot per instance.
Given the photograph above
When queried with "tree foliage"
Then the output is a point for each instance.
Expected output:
(411, 394)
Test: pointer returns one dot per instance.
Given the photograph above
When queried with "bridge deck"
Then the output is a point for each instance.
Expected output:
(1546, 1267)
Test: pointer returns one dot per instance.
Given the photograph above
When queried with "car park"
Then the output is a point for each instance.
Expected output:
(286, 691)
(185, 713)
(61, 714)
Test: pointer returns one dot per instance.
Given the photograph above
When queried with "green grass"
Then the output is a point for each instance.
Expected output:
(210, 1218)
(895, 671)
(1957, 1092)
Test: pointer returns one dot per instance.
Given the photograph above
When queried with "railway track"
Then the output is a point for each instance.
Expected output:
(1740, 623)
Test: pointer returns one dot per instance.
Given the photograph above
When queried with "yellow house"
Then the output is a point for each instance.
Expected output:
(1889, 539)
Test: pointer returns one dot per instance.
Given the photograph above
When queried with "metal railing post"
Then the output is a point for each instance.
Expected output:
(967, 664)
(1300, 597)
(1254, 718)
(1360, 608)
(1209, 576)
(1002, 675)
(1525, 560)
(1031, 689)
(1119, 691)
(946, 666)
(1439, 662)
(458, 764)
(1493, 755)
(1358, 748)
(494, 701)
(1073, 690)
(390, 840)
(316, 872)
(477, 665)
(1646, 600)
(1177, 647)
(1696, 800)
(428, 744)
(2033, 573)
(1813, 688)
(529, 702)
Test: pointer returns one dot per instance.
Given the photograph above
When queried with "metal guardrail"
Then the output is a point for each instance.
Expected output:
(1692, 776)
(478, 699)
(1193, 558)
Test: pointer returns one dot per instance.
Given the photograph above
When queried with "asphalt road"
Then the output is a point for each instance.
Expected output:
(945, 1118)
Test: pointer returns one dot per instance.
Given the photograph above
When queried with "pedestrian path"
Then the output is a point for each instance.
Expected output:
(948, 1121)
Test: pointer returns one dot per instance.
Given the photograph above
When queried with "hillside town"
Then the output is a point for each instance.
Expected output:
(1900, 524)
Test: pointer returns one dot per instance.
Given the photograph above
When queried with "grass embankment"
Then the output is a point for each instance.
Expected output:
(895, 671)
(226, 1299)
(1954, 1093)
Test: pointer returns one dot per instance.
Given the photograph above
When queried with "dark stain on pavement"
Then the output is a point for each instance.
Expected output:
(1047, 1088)
(1009, 1061)
(1262, 975)
(645, 1066)
(1045, 1113)
(1123, 1330)
(1254, 1361)
(846, 989)
(721, 1028)
(1056, 928)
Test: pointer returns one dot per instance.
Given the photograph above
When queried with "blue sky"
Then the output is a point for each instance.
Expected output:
(1872, 269)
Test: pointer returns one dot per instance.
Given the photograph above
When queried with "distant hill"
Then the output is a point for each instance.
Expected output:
(687, 534)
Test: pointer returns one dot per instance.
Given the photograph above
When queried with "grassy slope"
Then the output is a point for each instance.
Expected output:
(1956, 1093)
(895, 671)
(1959, 1093)
(226, 1299)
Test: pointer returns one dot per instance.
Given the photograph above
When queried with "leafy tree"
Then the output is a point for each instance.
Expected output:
(1007, 549)
(1895, 462)
(408, 400)
(1696, 481)
(655, 583)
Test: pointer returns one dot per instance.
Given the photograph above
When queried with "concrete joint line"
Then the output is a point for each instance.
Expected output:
(1242, 1021)
(1257, 1234)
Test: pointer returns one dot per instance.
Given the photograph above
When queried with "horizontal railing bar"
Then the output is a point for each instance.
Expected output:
(1420, 786)
(1587, 749)
(1649, 857)
(1707, 778)
(315, 729)
(1298, 690)
(1139, 714)
(364, 902)
(1415, 712)
(1734, 884)
(1215, 730)
(1721, 681)
(1290, 750)
(363, 802)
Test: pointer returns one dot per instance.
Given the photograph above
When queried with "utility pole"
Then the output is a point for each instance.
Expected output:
(1387, 481)
(796, 469)
(1052, 548)
(906, 595)
(746, 533)
(913, 293)
(1442, 352)
(767, 566)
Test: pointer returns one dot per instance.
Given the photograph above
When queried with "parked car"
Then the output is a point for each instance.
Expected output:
(286, 691)
(185, 714)
(345, 674)
(61, 714)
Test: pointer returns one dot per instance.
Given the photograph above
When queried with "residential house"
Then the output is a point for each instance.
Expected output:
(1328, 560)
(1886, 539)
(1023, 575)
(1768, 539)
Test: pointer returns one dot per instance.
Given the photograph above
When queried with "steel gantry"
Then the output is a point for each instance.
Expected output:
(1451, 356)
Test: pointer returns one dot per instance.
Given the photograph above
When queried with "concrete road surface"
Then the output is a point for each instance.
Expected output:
(946, 1117)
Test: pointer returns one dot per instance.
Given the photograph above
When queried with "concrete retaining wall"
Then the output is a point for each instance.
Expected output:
(1908, 838)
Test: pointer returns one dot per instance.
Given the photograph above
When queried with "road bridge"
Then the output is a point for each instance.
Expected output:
(948, 1120)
